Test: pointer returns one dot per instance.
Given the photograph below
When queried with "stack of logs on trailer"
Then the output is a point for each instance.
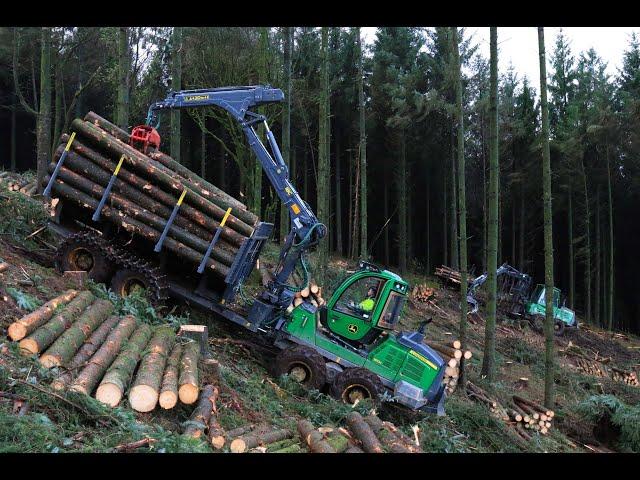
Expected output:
(453, 356)
(145, 191)
(97, 351)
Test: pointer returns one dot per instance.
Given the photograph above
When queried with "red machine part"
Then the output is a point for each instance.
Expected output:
(144, 136)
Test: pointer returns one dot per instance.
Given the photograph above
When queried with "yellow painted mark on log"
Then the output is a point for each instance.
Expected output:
(226, 215)
(295, 208)
(117, 170)
(73, 135)
(184, 192)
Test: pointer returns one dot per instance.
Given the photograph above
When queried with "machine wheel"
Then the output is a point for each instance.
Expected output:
(302, 364)
(537, 323)
(357, 384)
(84, 252)
(127, 281)
(558, 328)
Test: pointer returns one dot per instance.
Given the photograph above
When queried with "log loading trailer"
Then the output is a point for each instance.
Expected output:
(352, 353)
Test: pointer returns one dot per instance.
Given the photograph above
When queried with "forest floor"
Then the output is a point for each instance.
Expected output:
(592, 413)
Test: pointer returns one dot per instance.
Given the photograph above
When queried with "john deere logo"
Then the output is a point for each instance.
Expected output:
(195, 98)
(352, 328)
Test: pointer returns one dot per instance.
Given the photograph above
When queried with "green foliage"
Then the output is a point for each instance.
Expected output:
(625, 417)
(20, 216)
(24, 300)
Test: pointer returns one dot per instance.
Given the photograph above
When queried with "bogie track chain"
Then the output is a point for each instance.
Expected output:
(121, 259)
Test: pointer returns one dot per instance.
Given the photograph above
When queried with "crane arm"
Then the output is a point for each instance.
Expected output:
(306, 231)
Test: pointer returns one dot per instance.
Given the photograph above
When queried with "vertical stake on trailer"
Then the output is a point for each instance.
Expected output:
(214, 240)
(107, 191)
(47, 191)
(167, 226)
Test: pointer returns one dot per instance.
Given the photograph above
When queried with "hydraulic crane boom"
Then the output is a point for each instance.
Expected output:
(306, 231)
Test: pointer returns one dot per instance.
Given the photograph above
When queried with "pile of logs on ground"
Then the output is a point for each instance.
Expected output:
(97, 351)
(449, 275)
(452, 354)
(146, 190)
(530, 416)
(16, 183)
(422, 294)
(597, 366)
(522, 414)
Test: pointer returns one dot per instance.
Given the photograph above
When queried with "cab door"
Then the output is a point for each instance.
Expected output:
(348, 313)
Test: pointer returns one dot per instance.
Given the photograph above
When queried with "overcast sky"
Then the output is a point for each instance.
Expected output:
(519, 45)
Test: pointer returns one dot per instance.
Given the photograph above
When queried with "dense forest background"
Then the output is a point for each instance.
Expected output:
(379, 120)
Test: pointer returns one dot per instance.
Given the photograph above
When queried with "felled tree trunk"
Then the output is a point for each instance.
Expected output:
(313, 438)
(148, 188)
(199, 419)
(89, 347)
(134, 226)
(393, 443)
(46, 335)
(144, 394)
(215, 432)
(107, 126)
(119, 374)
(188, 380)
(169, 386)
(27, 324)
(363, 432)
(63, 349)
(89, 377)
(247, 442)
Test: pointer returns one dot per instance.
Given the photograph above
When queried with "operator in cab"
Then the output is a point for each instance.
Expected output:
(366, 305)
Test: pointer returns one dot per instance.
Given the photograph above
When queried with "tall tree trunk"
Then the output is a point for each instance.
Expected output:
(58, 113)
(286, 124)
(387, 252)
(521, 228)
(597, 290)
(610, 282)
(14, 128)
(323, 153)
(484, 199)
(445, 222)
(44, 113)
(402, 204)
(572, 281)
(124, 75)
(549, 394)
(587, 253)
(462, 205)
(176, 84)
(363, 153)
(488, 362)
(428, 272)
(203, 152)
(82, 71)
(338, 178)
(453, 206)
(350, 220)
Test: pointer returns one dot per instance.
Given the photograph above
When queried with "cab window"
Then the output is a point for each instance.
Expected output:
(391, 313)
(360, 298)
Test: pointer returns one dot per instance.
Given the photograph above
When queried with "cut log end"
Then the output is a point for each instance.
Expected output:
(28, 346)
(238, 445)
(168, 400)
(17, 331)
(188, 393)
(50, 361)
(143, 398)
(217, 442)
(109, 394)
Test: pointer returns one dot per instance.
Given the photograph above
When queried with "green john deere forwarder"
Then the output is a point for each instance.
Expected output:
(348, 347)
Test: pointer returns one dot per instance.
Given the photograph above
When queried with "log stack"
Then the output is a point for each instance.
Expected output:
(450, 276)
(312, 294)
(452, 354)
(145, 192)
(422, 293)
(531, 416)
(628, 377)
